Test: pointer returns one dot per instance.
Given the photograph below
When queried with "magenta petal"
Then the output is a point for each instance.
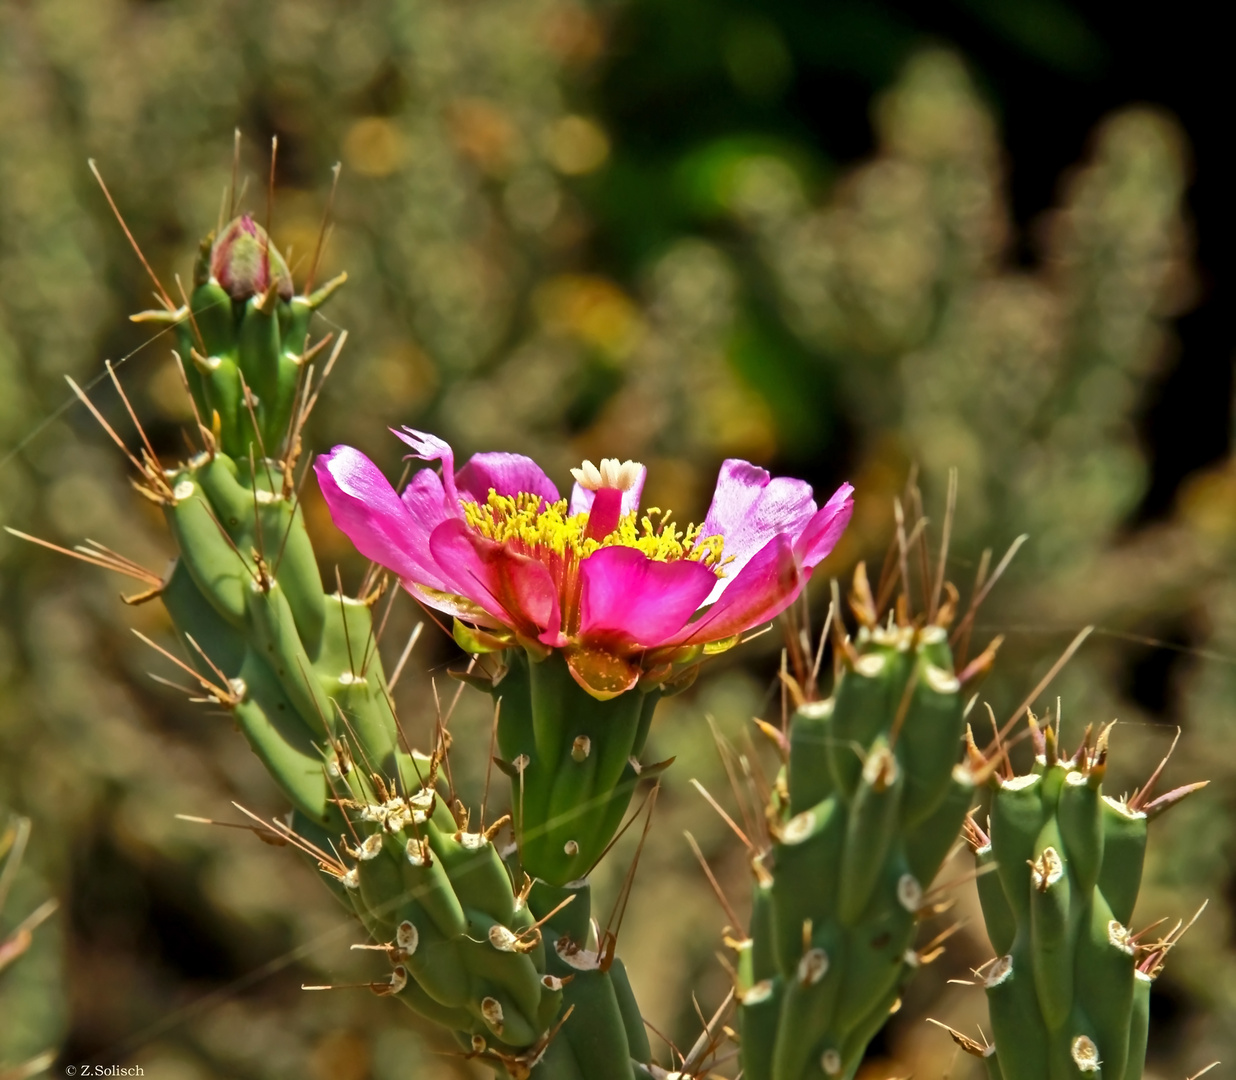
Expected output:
(764, 588)
(581, 497)
(507, 474)
(625, 595)
(426, 501)
(825, 528)
(516, 590)
(365, 507)
(429, 447)
(749, 508)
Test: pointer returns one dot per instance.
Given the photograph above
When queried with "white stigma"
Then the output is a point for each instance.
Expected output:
(611, 473)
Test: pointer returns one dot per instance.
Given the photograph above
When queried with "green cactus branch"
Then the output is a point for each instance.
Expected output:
(508, 965)
(1059, 870)
(869, 801)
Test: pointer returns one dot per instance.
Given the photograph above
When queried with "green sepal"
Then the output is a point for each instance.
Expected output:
(258, 349)
(474, 640)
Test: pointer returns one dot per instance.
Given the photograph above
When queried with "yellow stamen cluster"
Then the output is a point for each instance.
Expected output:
(534, 527)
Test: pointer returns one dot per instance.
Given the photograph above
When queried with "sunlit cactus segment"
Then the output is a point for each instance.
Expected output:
(502, 965)
(1058, 880)
(573, 762)
(867, 808)
(243, 339)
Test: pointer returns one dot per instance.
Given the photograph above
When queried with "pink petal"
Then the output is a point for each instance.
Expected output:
(765, 587)
(429, 447)
(604, 514)
(749, 508)
(825, 528)
(365, 507)
(626, 596)
(507, 474)
(516, 590)
(581, 497)
(426, 500)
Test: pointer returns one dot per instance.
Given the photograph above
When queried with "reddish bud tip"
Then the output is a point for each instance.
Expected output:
(245, 262)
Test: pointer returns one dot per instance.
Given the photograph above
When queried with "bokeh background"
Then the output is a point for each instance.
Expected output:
(842, 238)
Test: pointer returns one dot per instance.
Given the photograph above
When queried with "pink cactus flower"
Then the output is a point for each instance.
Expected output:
(623, 597)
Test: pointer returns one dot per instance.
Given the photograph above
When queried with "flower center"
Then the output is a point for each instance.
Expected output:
(531, 526)
(560, 541)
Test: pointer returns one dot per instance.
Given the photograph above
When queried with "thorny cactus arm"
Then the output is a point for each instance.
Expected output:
(863, 815)
(299, 670)
(1059, 876)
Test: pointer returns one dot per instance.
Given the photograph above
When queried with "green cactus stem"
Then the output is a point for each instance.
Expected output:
(475, 946)
(573, 761)
(1060, 866)
(244, 340)
(869, 803)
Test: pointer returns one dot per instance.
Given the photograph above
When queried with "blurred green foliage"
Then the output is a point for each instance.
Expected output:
(572, 231)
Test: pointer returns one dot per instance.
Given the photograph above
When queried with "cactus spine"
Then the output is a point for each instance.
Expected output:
(867, 807)
(1059, 875)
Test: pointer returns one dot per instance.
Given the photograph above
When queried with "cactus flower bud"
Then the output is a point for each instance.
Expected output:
(244, 261)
